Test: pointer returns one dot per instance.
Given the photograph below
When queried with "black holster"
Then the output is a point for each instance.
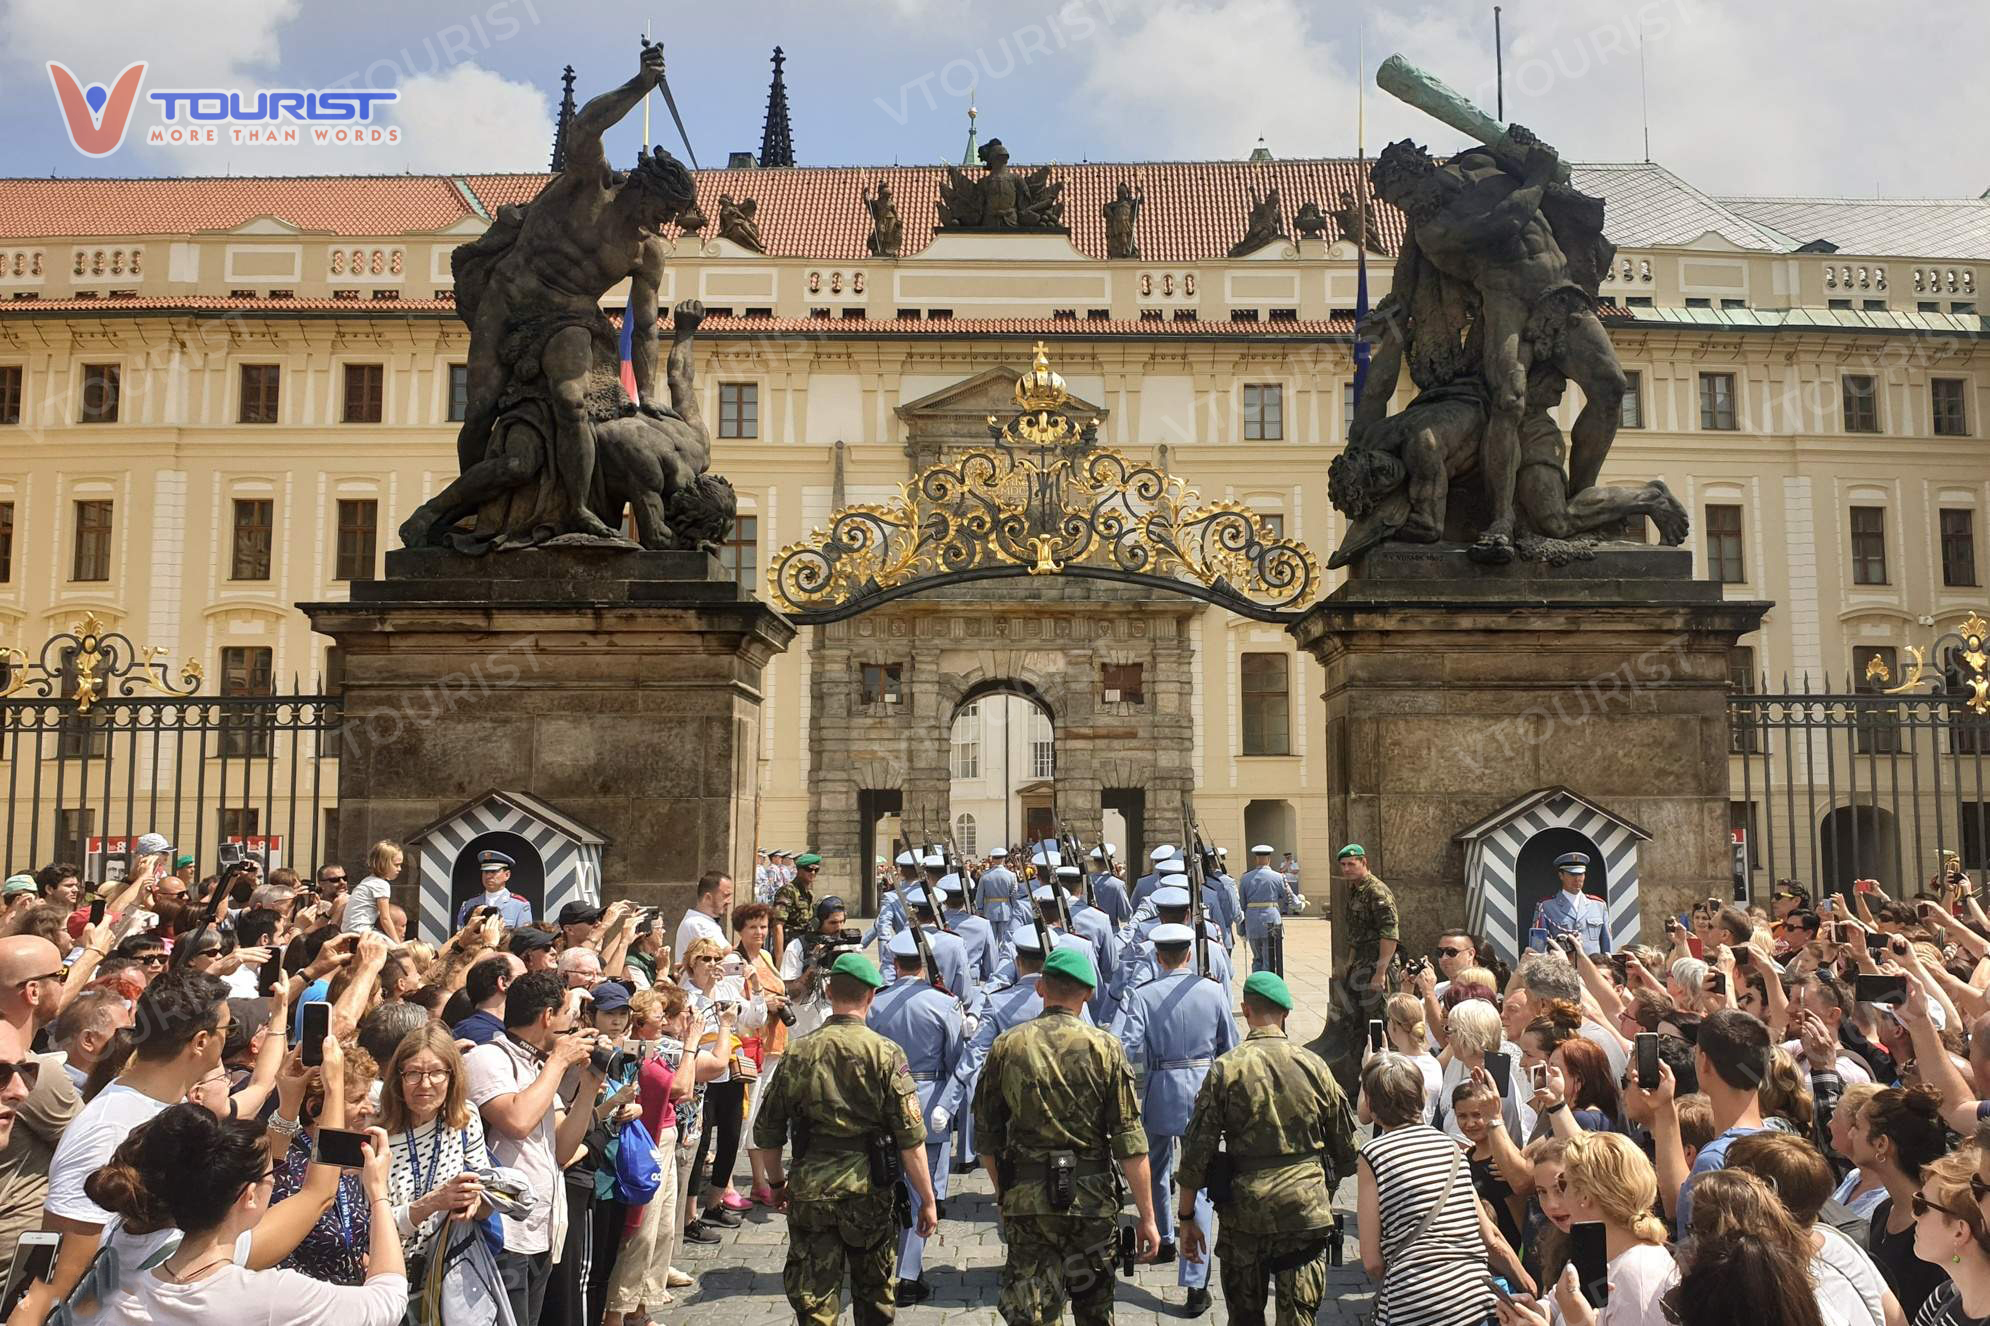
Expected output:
(1220, 1181)
(886, 1167)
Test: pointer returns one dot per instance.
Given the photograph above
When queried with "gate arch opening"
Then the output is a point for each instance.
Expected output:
(1002, 765)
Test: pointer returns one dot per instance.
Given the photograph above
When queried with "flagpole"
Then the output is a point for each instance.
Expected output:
(1360, 205)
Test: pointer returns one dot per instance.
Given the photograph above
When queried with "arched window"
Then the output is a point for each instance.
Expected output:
(964, 835)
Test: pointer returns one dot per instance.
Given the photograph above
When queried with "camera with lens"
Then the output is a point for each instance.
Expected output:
(820, 950)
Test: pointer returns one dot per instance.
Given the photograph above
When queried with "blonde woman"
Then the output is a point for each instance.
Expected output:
(1471, 1032)
(366, 907)
(1606, 1180)
(1403, 1031)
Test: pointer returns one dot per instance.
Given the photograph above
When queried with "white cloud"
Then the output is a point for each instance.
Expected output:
(1761, 98)
(470, 119)
(216, 46)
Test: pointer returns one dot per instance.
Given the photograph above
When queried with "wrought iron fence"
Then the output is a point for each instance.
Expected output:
(1828, 788)
(101, 741)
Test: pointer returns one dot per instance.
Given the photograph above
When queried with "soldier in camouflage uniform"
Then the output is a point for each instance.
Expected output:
(1360, 993)
(847, 1091)
(794, 902)
(1054, 1088)
(1282, 1123)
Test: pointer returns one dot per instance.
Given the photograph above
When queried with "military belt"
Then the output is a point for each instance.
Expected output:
(1037, 1169)
(1182, 1063)
(1254, 1164)
(1261, 904)
(928, 1077)
(820, 1143)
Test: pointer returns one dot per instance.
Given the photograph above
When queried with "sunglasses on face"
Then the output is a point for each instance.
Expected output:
(1449, 952)
(151, 959)
(1922, 1206)
(27, 1070)
(331, 879)
(1978, 1188)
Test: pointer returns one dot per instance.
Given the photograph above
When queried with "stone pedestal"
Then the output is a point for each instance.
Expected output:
(622, 688)
(1455, 690)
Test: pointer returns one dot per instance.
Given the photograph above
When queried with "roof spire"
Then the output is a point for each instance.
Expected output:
(972, 155)
(1260, 152)
(777, 143)
(565, 122)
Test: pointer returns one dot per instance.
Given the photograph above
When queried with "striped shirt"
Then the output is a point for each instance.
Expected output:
(1436, 1277)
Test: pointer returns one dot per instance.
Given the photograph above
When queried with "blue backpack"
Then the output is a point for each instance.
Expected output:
(637, 1175)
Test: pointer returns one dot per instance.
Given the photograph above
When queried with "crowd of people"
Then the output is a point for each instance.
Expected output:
(251, 1097)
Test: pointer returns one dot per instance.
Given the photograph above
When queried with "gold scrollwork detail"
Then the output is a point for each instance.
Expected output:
(83, 665)
(1971, 649)
(1044, 498)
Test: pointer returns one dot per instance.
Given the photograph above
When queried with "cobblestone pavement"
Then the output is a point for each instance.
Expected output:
(739, 1278)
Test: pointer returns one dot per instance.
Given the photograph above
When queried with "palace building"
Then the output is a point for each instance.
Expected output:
(220, 397)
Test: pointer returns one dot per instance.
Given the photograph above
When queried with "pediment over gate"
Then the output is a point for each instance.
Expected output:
(957, 415)
(1555, 803)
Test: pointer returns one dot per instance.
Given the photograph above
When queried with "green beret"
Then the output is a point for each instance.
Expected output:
(1352, 849)
(1269, 987)
(807, 859)
(859, 966)
(1073, 964)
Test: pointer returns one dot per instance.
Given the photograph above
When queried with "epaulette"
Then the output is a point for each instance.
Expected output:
(1592, 897)
(519, 897)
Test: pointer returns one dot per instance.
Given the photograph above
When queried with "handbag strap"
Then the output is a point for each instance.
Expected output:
(1444, 1195)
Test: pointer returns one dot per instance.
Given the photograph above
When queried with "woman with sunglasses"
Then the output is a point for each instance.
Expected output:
(210, 1180)
(338, 1095)
(720, 1004)
(1899, 1134)
(1950, 1232)
(436, 1137)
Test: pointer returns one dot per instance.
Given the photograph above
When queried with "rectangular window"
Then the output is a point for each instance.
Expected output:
(93, 542)
(10, 393)
(246, 822)
(1974, 816)
(459, 392)
(1631, 410)
(739, 409)
(1264, 412)
(1717, 400)
(1958, 548)
(1122, 683)
(967, 742)
(1874, 669)
(1948, 398)
(1273, 521)
(100, 392)
(259, 387)
(365, 392)
(1868, 545)
(6, 543)
(740, 553)
(1724, 560)
(73, 831)
(1861, 393)
(359, 525)
(246, 673)
(1267, 702)
(1741, 815)
(882, 683)
(1744, 733)
(252, 539)
(1043, 746)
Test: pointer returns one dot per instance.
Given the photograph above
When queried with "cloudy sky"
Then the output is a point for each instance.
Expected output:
(1759, 97)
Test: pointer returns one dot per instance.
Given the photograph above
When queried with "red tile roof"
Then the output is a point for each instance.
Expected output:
(339, 204)
(1194, 209)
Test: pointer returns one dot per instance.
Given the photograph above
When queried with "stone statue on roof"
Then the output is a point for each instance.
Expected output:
(738, 223)
(887, 236)
(553, 448)
(1357, 223)
(1121, 215)
(1493, 311)
(1001, 199)
(1310, 221)
(1264, 226)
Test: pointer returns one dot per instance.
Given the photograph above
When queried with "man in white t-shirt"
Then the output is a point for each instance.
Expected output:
(514, 1081)
(705, 920)
(806, 993)
(185, 1016)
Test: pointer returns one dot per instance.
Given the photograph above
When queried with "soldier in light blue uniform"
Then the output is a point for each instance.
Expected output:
(975, 932)
(1150, 881)
(1093, 925)
(927, 1026)
(891, 916)
(1571, 911)
(949, 953)
(1219, 899)
(1265, 896)
(995, 897)
(1174, 1026)
(1167, 905)
(512, 908)
(1108, 890)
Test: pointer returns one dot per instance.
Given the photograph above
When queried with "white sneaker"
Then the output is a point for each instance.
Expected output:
(676, 1279)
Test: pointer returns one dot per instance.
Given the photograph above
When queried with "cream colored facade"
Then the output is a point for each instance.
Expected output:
(826, 392)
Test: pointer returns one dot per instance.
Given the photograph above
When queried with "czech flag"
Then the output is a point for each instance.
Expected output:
(629, 352)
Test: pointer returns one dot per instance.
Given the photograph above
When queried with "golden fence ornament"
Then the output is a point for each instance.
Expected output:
(88, 663)
(1968, 647)
(1044, 498)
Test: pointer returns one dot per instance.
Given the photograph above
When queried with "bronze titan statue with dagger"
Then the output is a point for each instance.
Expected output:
(551, 447)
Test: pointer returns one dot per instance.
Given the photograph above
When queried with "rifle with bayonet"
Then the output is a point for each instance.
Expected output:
(1198, 914)
(931, 887)
(1055, 842)
(1069, 848)
(920, 939)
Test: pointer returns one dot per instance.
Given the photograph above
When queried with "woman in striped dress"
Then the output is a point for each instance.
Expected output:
(1419, 1218)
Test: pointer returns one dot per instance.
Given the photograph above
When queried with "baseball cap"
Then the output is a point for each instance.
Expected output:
(18, 884)
(528, 940)
(579, 913)
(609, 996)
(153, 842)
(1072, 964)
(828, 907)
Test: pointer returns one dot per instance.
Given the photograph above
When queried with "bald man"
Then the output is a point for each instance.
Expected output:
(30, 991)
